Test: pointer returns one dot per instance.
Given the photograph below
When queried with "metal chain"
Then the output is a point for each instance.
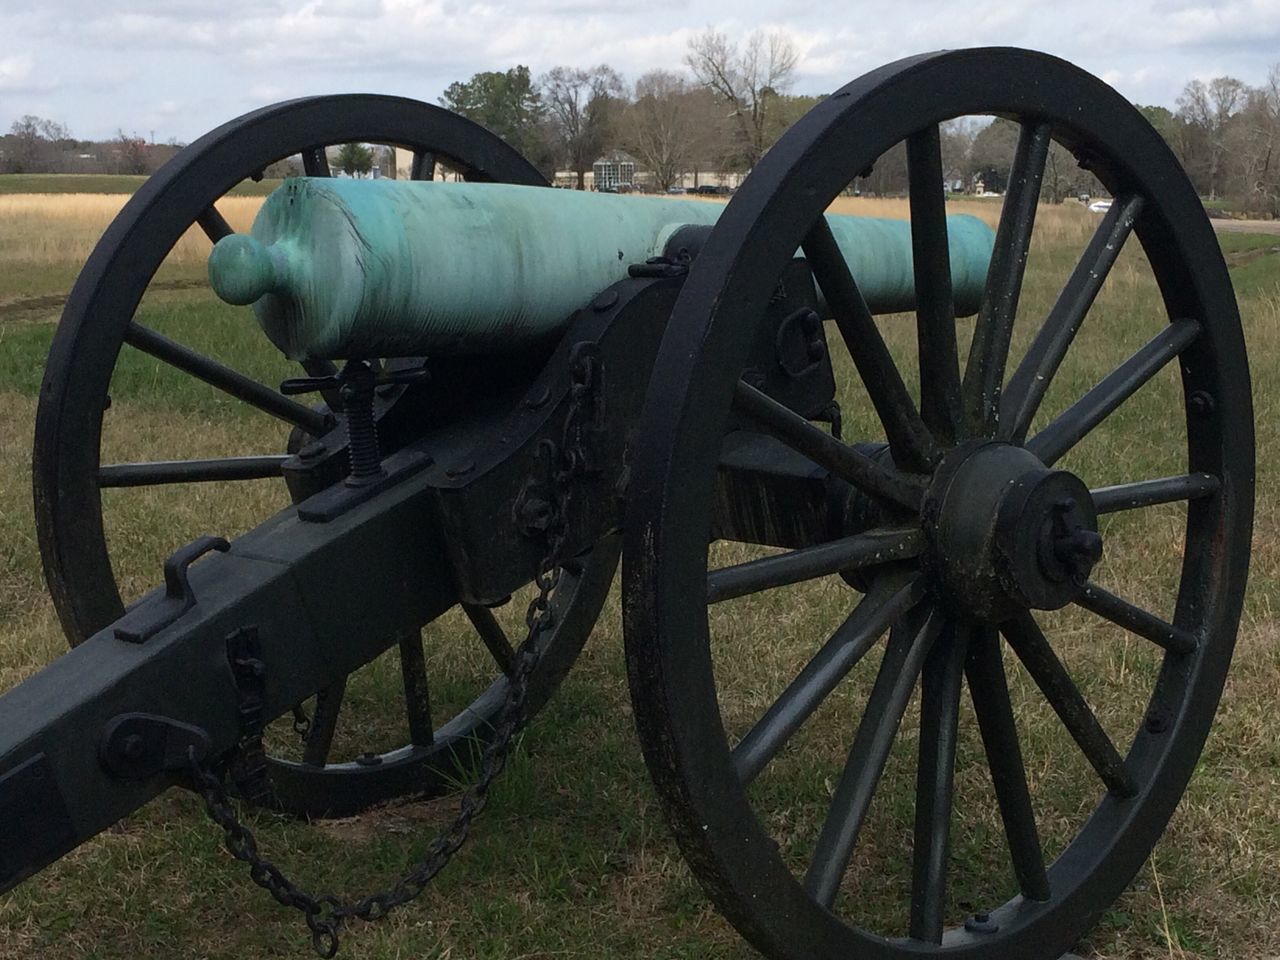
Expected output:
(326, 915)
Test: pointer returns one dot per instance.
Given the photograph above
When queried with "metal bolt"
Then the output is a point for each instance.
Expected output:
(460, 469)
(132, 747)
(533, 515)
(606, 299)
(312, 451)
(1201, 403)
(1081, 548)
(981, 923)
(538, 399)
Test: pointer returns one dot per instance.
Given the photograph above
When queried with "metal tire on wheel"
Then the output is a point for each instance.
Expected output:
(971, 562)
(99, 321)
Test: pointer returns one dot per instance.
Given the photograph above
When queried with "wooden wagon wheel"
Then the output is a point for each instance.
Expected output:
(985, 532)
(100, 320)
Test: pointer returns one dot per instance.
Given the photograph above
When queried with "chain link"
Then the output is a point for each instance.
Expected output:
(326, 915)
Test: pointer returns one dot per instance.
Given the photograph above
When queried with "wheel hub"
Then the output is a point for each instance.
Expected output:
(1006, 533)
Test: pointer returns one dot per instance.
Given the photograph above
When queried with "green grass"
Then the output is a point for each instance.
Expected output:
(572, 858)
(103, 183)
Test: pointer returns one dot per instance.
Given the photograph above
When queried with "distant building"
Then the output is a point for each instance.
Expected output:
(613, 171)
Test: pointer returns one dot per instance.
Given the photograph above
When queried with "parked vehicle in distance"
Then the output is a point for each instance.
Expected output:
(711, 189)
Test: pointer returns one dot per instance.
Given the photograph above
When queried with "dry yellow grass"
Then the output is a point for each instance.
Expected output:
(46, 229)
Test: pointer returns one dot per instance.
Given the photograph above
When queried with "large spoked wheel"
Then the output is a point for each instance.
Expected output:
(103, 322)
(984, 551)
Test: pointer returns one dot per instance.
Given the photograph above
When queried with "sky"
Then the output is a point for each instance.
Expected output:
(174, 69)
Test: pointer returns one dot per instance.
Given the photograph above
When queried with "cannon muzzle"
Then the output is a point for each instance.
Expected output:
(341, 268)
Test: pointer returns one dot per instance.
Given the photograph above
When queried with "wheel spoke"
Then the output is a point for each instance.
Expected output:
(935, 307)
(990, 694)
(825, 450)
(990, 348)
(910, 442)
(889, 598)
(323, 724)
(492, 634)
(417, 694)
(315, 162)
(225, 379)
(1030, 382)
(424, 165)
(848, 553)
(1060, 690)
(935, 781)
(188, 471)
(1115, 388)
(214, 224)
(1148, 493)
(909, 641)
(1136, 620)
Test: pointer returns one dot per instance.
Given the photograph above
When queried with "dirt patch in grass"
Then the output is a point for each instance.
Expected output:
(37, 309)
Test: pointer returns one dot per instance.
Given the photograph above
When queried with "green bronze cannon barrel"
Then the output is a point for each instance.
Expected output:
(340, 268)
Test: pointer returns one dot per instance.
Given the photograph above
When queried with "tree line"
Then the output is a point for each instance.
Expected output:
(719, 117)
(1227, 135)
(730, 105)
(37, 145)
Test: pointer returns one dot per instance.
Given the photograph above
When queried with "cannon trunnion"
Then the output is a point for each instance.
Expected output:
(709, 390)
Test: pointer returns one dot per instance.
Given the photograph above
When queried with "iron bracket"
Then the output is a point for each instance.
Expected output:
(149, 617)
(138, 746)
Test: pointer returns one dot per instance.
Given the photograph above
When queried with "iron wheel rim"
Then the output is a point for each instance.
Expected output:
(84, 353)
(669, 663)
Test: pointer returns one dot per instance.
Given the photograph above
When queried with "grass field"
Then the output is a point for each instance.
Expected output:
(572, 859)
(108, 183)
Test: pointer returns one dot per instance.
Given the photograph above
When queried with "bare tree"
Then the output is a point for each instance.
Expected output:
(129, 154)
(1260, 146)
(1207, 109)
(747, 80)
(37, 145)
(670, 125)
(582, 106)
(956, 139)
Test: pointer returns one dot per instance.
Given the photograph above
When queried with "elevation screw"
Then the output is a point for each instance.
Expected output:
(357, 384)
(356, 392)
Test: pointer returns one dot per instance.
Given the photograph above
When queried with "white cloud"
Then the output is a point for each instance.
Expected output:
(15, 72)
(119, 61)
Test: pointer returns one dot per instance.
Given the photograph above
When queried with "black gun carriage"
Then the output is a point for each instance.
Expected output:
(692, 402)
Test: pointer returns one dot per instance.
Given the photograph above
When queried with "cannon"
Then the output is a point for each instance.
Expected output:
(505, 387)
